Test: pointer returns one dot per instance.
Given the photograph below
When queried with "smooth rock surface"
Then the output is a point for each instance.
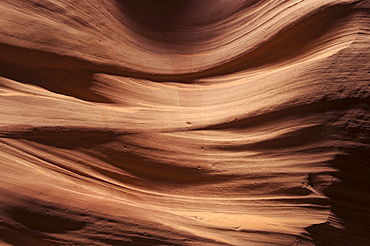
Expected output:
(197, 122)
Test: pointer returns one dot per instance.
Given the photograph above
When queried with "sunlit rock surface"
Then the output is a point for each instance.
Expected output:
(196, 122)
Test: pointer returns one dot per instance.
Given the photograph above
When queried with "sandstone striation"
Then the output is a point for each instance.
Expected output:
(184, 122)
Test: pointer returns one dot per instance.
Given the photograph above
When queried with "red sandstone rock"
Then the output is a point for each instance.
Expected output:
(158, 122)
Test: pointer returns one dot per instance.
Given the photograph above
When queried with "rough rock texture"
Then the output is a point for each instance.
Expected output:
(184, 122)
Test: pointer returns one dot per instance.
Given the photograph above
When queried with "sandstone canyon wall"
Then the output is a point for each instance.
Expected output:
(184, 122)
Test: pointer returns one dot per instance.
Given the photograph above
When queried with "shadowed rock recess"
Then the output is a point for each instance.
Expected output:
(184, 122)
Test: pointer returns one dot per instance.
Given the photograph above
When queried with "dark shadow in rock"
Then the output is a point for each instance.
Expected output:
(46, 222)
(74, 82)
(349, 201)
(153, 14)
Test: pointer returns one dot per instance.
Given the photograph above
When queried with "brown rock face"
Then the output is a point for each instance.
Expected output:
(196, 122)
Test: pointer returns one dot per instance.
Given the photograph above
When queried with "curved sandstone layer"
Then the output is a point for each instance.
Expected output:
(159, 122)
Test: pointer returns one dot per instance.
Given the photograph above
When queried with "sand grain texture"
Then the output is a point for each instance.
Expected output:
(159, 122)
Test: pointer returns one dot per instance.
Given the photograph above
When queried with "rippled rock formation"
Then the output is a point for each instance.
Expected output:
(159, 122)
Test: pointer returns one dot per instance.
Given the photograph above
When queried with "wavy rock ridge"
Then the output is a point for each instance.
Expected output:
(159, 122)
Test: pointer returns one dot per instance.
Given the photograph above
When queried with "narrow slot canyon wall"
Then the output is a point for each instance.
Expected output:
(184, 122)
